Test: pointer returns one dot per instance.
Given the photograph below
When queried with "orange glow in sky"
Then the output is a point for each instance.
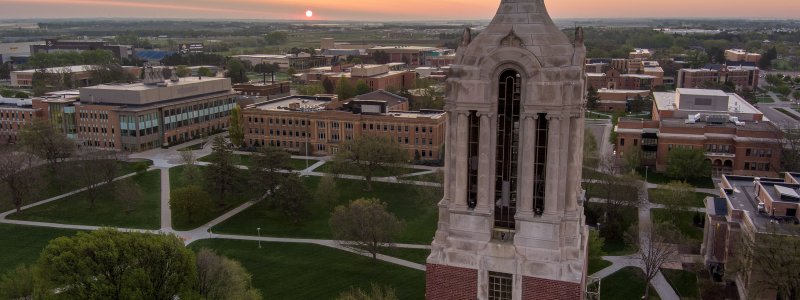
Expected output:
(380, 11)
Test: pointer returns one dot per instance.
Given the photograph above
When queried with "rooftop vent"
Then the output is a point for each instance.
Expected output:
(787, 194)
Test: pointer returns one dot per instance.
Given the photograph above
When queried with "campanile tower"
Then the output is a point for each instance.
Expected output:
(511, 223)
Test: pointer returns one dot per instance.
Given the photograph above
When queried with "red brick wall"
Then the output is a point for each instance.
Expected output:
(450, 283)
(545, 289)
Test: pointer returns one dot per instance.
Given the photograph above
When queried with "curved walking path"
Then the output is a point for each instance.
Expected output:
(164, 159)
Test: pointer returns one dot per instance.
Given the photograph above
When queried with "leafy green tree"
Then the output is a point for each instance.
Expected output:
(190, 202)
(592, 99)
(687, 164)
(182, 71)
(326, 193)
(108, 264)
(327, 84)
(268, 163)
(276, 38)
(596, 243)
(204, 72)
(21, 95)
(375, 293)
(221, 174)
(222, 278)
(236, 130)
(362, 88)
(5, 70)
(365, 225)
(44, 141)
(291, 197)
(311, 89)
(371, 153)
(6, 93)
(236, 71)
(344, 89)
(22, 283)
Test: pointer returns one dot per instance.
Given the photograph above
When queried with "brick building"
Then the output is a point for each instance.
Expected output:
(511, 222)
(619, 100)
(270, 90)
(15, 114)
(413, 56)
(743, 77)
(613, 79)
(377, 77)
(741, 55)
(81, 75)
(753, 209)
(736, 138)
(142, 116)
(317, 125)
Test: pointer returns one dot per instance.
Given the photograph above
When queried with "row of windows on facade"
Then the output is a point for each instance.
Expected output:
(9, 126)
(757, 166)
(15, 115)
(347, 125)
(197, 107)
(750, 152)
(91, 115)
(320, 147)
(93, 143)
(645, 142)
(94, 129)
(335, 136)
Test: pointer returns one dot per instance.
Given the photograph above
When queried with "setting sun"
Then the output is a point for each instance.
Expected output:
(309, 13)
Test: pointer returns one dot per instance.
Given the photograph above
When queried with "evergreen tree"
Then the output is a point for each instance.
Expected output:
(592, 99)
(236, 130)
(344, 89)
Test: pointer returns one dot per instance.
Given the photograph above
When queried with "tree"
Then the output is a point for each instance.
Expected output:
(236, 130)
(43, 140)
(687, 164)
(190, 202)
(276, 38)
(222, 278)
(370, 153)
(590, 155)
(376, 293)
(204, 72)
(89, 178)
(327, 84)
(767, 262)
(108, 264)
(676, 197)
(14, 174)
(290, 72)
(592, 99)
(344, 89)
(191, 172)
(362, 88)
(236, 71)
(5, 70)
(365, 225)
(221, 175)
(326, 191)
(596, 243)
(128, 193)
(21, 283)
(311, 89)
(268, 163)
(618, 194)
(182, 71)
(655, 249)
(291, 198)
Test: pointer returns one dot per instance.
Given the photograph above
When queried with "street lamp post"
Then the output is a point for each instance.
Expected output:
(259, 237)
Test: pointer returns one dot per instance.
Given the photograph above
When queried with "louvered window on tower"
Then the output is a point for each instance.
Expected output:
(508, 117)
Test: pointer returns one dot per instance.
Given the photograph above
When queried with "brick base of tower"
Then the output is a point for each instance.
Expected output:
(453, 283)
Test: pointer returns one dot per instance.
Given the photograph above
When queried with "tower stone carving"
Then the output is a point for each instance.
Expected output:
(511, 222)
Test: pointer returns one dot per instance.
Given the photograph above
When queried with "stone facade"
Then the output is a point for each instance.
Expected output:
(512, 200)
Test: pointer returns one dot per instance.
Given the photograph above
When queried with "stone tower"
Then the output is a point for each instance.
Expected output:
(511, 223)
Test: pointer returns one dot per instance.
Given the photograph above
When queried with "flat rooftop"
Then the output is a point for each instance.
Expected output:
(742, 196)
(284, 104)
(144, 94)
(665, 101)
(72, 69)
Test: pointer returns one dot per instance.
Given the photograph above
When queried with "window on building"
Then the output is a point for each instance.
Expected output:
(506, 160)
(473, 148)
(622, 142)
(501, 286)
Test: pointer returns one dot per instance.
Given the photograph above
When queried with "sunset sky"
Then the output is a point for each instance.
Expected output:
(386, 10)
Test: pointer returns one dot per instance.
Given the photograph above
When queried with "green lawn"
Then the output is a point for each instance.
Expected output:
(594, 190)
(630, 218)
(76, 209)
(697, 198)
(180, 223)
(787, 113)
(58, 183)
(433, 177)
(626, 284)
(765, 99)
(198, 146)
(300, 271)
(418, 213)
(596, 265)
(419, 256)
(247, 161)
(684, 282)
(350, 169)
(22, 244)
(662, 178)
(684, 220)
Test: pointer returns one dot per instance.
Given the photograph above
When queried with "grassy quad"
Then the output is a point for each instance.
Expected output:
(54, 184)
(663, 178)
(418, 215)
(684, 282)
(247, 161)
(696, 201)
(350, 169)
(630, 218)
(181, 223)
(300, 271)
(22, 244)
(625, 284)
(684, 221)
(76, 209)
(595, 265)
